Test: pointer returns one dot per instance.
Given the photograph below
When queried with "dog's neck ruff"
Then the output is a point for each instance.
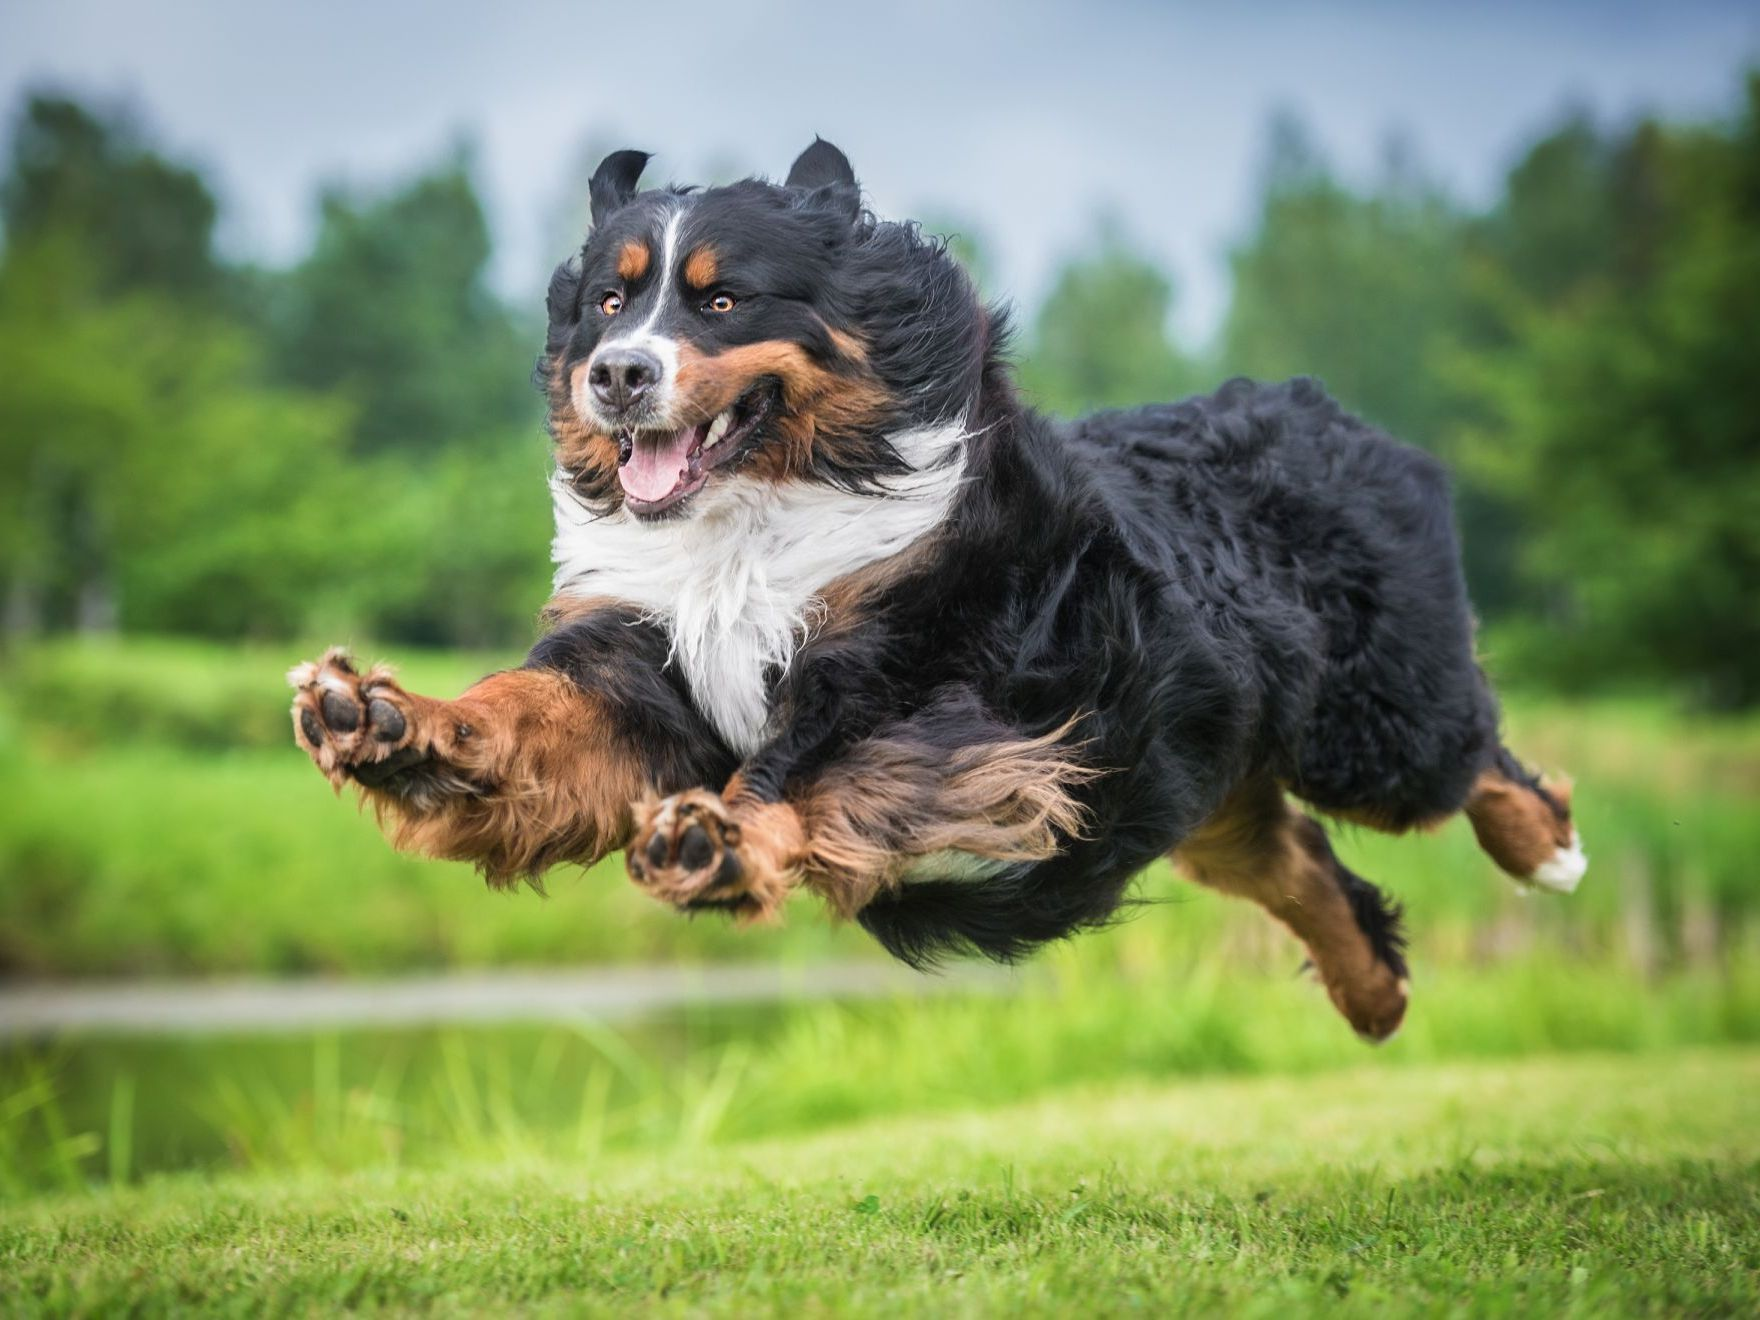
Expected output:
(737, 585)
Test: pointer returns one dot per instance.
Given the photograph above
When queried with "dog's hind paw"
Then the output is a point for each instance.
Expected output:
(691, 851)
(1564, 870)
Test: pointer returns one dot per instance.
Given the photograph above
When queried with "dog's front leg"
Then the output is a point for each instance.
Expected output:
(525, 769)
(743, 849)
(728, 852)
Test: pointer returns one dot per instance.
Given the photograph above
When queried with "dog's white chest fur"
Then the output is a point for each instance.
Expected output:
(737, 585)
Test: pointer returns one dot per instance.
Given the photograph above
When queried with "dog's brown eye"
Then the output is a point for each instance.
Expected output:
(721, 302)
(611, 304)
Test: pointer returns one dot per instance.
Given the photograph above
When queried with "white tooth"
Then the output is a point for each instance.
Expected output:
(717, 429)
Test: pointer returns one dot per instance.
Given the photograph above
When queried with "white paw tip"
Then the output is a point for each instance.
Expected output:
(1561, 872)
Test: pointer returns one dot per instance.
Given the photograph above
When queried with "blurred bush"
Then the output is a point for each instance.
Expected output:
(81, 695)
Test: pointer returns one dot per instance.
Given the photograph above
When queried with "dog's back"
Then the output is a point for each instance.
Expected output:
(1276, 512)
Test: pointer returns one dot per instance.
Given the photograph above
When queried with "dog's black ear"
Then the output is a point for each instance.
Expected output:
(825, 171)
(614, 182)
(819, 165)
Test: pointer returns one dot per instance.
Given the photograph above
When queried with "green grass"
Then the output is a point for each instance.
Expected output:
(84, 1112)
(1162, 1117)
(145, 860)
(1592, 1186)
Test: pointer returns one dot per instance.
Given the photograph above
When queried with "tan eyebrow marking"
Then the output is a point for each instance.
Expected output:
(700, 268)
(632, 260)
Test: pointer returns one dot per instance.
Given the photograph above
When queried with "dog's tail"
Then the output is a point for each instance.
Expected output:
(1524, 823)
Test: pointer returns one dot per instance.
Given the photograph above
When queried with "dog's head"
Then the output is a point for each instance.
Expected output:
(703, 339)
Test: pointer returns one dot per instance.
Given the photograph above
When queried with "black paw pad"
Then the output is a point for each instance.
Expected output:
(387, 721)
(657, 850)
(308, 725)
(340, 712)
(381, 774)
(695, 851)
(728, 872)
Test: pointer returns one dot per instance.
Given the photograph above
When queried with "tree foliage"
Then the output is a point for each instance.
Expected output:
(1623, 406)
(393, 311)
(351, 444)
(1102, 338)
(88, 182)
(186, 446)
(1580, 352)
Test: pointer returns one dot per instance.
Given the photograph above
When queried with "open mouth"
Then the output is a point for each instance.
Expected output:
(661, 469)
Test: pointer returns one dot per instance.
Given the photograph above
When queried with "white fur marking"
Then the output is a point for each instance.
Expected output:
(643, 337)
(736, 583)
(1564, 869)
(668, 254)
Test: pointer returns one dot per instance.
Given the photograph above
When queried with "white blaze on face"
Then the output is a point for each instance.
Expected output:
(644, 337)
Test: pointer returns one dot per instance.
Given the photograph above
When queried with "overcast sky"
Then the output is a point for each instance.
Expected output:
(1022, 119)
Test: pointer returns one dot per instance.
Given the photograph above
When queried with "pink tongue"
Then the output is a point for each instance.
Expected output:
(656, 467)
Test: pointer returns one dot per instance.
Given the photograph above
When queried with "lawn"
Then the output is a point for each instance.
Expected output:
(1598, 1185)
(1160, 1116)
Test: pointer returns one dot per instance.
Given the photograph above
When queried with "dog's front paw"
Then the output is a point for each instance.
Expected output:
(690, 850)
(367, 728)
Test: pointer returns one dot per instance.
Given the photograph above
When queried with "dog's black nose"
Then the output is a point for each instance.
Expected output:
(620, 376)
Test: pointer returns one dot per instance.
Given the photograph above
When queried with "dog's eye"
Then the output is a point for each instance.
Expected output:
(722, 302)
(611, 304)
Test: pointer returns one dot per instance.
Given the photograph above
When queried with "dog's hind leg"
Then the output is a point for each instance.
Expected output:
(1524, 825)
(1257, 846)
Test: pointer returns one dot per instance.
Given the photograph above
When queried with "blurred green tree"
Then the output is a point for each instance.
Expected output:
(1554, 226)
(1357, 290)
(163, 468)
(392, 310)
(90, 182)
(1623, 410)
(1369, 292)
(93, 216)
(152, 480)
(1102, 339)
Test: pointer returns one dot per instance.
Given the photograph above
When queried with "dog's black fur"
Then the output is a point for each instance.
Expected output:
(1248, 582)
(1083, 646)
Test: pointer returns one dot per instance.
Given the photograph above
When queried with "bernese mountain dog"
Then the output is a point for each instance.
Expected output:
(835, 609)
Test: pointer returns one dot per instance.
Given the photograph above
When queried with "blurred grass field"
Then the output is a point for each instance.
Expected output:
(158, 820)
(1565, 1123)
